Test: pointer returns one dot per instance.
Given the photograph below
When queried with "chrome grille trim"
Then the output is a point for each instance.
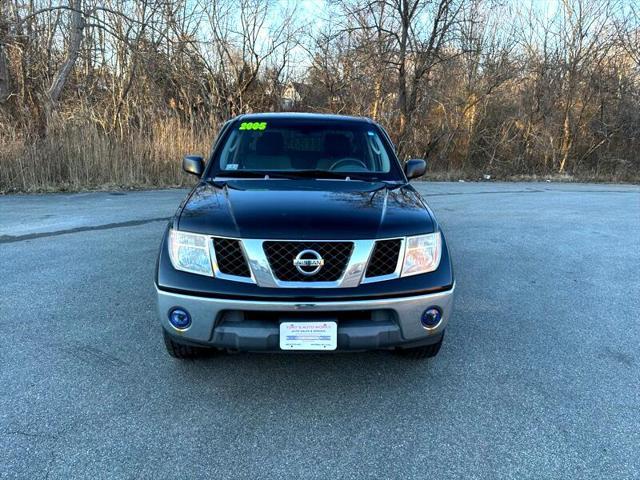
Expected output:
(263, 276)
(230, 257)
(335, 257)
(397, 271)
(261, 269)
(223, 276)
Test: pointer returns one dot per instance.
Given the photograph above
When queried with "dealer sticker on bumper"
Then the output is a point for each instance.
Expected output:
(308, 335)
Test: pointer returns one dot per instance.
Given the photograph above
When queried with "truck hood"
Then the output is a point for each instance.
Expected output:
(305, 210)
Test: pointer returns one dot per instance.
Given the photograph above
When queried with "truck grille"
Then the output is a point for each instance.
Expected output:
(384, 258)
(281, 255)
(230, 258)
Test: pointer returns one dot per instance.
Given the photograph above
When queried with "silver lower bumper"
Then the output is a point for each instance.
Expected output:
(404, 328)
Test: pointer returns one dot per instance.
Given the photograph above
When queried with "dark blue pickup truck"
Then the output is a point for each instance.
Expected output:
(303, 233)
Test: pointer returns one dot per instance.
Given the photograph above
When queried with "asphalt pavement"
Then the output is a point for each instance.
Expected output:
(538, 377)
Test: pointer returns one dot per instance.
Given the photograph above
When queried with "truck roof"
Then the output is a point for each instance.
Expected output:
(255, 117)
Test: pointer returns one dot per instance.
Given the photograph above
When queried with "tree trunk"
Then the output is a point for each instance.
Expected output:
(377, 93)
(565, 147)
(5, 77)
(5, 80)
(75, 40)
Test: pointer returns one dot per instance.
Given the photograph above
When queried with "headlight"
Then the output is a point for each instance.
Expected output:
(422, 254)
(189, 252)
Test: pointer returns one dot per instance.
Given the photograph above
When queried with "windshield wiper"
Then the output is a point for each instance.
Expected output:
(291, 174)
(331, 174)
(250, 174)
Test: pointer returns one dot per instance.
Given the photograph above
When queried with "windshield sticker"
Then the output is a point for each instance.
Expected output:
(231, 166)
(253, 126)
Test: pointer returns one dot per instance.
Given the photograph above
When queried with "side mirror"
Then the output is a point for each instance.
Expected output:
(415, 168)
(193, 164)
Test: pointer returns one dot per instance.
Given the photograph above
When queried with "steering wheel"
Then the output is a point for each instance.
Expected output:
(346, 161)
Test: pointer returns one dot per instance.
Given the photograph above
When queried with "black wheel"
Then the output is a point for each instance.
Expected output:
(418, 353)
(182, 351)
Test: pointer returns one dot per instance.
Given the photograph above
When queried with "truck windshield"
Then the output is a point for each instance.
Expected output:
(294, 148)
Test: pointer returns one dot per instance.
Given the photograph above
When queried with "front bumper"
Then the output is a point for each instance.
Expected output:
(387, 323)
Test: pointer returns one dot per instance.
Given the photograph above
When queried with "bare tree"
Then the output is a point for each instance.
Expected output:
(628, 29)
(5, 80)
(585, 40)
(76, 33)
(107, 91)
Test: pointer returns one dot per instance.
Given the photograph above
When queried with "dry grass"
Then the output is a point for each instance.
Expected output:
(80, 156)
(475, 176)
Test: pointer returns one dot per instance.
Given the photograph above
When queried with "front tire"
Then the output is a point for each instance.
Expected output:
(419, 353)
(181, 350)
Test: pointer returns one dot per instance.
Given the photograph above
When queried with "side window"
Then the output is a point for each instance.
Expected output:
(229, 154)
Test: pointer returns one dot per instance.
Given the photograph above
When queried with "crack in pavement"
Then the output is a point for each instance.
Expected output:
(44, 436)
(108, 226)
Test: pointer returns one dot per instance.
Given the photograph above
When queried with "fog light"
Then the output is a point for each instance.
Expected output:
(179, 318)
(431, 317)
